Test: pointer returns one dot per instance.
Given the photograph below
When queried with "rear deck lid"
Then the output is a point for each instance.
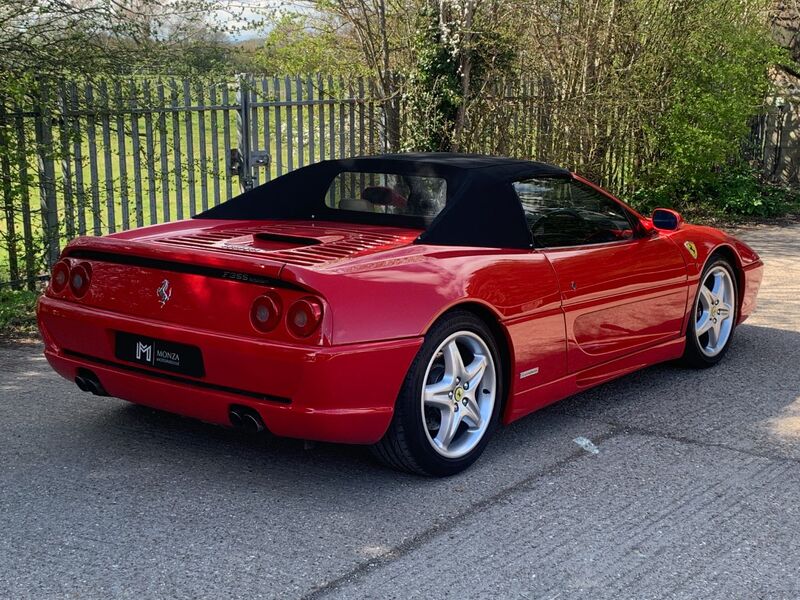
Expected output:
(295, 243)
(213, 271)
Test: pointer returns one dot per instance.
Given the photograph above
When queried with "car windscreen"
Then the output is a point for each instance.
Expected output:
(387, 193)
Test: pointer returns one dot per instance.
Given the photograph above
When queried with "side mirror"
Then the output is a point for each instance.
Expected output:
(664, 218)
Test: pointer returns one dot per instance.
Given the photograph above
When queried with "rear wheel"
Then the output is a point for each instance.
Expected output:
(450, 400)
(713, 317)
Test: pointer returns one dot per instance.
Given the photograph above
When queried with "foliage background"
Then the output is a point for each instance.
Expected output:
(654, 97)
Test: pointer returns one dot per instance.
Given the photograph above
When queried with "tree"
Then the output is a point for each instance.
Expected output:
(460, 50)
(375, 34)
(296, 45)
(53, 37)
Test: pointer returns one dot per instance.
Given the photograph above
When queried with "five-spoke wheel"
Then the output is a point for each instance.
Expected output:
(450, 400)
(714, 311)
(714, 316)
(459, 394)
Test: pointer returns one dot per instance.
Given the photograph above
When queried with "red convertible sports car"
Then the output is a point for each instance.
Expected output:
(411, 302)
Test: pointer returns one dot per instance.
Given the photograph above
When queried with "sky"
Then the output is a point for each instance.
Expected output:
(244, 13)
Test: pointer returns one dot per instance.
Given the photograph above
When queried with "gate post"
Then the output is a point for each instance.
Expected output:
(243, 114)
(45, 152)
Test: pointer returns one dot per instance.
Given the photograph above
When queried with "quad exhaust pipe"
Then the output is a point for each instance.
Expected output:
(89, 382)
(82, 383)
(246, 419)
(243, 418)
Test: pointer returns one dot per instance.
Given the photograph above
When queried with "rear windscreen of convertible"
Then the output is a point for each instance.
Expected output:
(388, 193)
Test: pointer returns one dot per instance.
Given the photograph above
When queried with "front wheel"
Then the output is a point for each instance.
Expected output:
(714, 316)
(450, 400)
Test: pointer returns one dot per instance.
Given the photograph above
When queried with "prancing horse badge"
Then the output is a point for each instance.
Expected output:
(691, 248)
(164, 292)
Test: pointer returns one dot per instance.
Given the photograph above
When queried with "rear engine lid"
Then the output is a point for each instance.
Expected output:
(207, 275)
(236, 248)
(296, 243)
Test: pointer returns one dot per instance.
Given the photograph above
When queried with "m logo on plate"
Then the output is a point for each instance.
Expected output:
(144, 350)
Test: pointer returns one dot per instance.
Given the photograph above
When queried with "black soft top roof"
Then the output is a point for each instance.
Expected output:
(482, 208)
(510, 169)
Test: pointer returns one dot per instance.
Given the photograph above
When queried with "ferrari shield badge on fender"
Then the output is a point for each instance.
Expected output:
(164, 292)
(691, 248)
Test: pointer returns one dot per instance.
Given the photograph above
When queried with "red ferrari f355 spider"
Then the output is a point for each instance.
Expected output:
(410, 302)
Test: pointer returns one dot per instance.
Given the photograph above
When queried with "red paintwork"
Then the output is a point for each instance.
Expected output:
(581, 316)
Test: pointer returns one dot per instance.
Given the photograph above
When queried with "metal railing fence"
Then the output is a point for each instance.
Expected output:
(96, 158)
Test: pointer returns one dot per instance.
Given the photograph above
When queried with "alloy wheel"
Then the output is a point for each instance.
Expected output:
(459, 394)
(714, 311)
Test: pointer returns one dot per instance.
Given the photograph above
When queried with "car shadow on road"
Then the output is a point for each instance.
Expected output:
(748, 402)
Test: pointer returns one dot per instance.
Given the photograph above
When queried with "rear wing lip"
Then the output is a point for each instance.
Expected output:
(259, 271)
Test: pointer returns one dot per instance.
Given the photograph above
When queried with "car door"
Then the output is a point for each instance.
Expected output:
(622, 289)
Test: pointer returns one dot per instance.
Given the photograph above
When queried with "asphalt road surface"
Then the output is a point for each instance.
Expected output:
(695, 491)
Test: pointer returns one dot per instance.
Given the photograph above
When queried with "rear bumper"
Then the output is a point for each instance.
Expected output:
(338, 394)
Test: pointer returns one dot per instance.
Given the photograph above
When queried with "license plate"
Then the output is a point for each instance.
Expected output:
(160, 354)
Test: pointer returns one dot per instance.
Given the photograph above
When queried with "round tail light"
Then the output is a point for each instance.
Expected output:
(266, 311)
(59, 277)
(79, 279)
(304, 317)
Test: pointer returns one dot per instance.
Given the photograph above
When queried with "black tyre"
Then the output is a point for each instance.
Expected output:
(450, 401)
(714, 314)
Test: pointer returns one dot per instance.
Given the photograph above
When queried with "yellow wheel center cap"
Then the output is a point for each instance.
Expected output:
(459, 394)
